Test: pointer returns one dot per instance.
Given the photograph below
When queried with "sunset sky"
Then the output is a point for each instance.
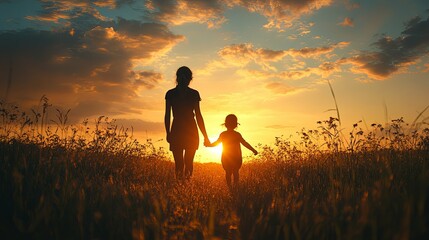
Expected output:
(269, 62)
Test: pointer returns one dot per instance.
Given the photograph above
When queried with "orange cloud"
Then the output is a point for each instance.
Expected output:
(280, 88)
(281, 13)
(238, 54)
(324, 70)
(242, 54)
(146, 79)
(313, 52)
(56, 10)
(347, 22)
(328, 68)
(107, 3)
(184, 11)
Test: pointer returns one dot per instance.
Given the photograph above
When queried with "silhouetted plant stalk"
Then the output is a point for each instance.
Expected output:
(37, 128)
(327, 138)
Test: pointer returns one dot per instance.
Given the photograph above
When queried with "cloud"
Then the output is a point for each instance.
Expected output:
(78, 14)
(240, 55)
(327, 68)
(347, 22)
(324, 70)
(280, 88)
(147, 79)
(301, 29)
(279, 13)
(314, 52)
(112, 3)
(393, 55)
(178, 12)
(91, 72)
(304, 29)
(296, 74)
(243, 54)
(65, 10)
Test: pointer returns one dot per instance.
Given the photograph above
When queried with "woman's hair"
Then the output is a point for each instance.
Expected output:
(231, 121)
(183, 76)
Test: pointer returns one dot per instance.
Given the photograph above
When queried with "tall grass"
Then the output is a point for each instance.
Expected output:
(94, 181)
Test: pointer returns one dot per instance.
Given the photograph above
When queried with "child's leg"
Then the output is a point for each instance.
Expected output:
(189, 162)
(178, 161)
(236, 177)
(228, 174)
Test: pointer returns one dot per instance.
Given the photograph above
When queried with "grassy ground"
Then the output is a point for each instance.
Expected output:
(55, 193)
(71, 182)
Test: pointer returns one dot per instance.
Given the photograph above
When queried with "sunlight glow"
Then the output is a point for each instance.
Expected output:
(214, 153)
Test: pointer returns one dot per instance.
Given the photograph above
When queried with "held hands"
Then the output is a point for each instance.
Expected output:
(207, 142)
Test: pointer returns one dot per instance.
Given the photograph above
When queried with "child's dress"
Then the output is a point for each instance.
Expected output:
(231, 153)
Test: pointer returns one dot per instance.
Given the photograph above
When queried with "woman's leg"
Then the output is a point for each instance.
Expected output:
(178, 160)
(189, 162)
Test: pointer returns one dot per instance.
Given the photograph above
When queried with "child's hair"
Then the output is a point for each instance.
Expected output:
(183, 76)
(231, 121)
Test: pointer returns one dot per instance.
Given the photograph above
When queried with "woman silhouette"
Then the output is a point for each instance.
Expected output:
(183, 134)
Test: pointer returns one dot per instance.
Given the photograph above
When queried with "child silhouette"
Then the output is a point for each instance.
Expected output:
(231, 149)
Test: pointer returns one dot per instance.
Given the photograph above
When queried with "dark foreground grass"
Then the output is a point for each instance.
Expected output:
(64, 194)
(59, 181)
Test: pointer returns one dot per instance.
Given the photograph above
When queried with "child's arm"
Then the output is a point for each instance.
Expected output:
(248, 146)
(213, 144)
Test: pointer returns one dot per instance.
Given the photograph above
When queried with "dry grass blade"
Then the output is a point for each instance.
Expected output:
(9, 81)
(335, 101)
(386, 114)
(418, 116)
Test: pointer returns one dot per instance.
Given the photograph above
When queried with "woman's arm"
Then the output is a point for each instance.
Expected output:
(200, 122)
(167, 119)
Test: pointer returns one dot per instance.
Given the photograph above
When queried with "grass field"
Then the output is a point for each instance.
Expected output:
(95, 182)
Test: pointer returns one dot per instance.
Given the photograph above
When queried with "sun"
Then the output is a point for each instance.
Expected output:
(215, 152)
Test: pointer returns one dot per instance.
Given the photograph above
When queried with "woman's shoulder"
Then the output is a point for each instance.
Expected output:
(193, 90)
(194, 93)
(170, 92)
